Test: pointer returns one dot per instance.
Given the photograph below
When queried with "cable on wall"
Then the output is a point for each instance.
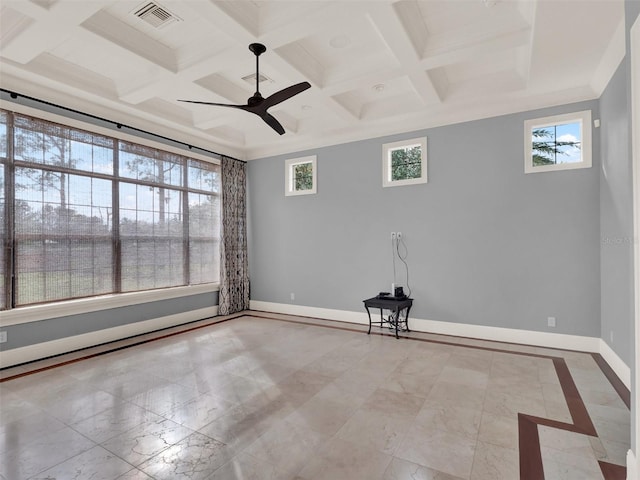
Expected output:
(393, 258)
(403, 260)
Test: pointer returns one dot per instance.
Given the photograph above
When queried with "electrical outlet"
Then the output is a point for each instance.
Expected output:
(551, 321)
(3, 336)
(399, 234)
(611, 336)
(393, 235)
(293, 296)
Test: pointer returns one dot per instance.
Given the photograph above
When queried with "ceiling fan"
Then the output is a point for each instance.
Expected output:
(257, 103)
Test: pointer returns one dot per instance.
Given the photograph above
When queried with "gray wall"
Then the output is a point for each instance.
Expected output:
(616, 216)
(488, 245)
(25, 334)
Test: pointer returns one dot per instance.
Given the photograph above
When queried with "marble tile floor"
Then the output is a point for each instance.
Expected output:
(264, 396)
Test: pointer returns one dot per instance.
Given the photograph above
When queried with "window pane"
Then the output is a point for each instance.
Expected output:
(303, 176)
(150, 165)
(151, 233)
(3, 242)
(3, 135)
(204, 245)
(63, 236)
(42, 142)
(556, 144)
(204, 176)
(3, 219)
(406, 163)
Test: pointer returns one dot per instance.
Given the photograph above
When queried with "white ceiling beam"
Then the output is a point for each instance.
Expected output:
(341, 111)
(218, 17)
(30, 9)
(336, 16)
(160, 85)
(442, 58)
(387, 22)
(528, 10)
(49, 30)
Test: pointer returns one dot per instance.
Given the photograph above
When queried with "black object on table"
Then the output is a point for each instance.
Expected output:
(396, 306)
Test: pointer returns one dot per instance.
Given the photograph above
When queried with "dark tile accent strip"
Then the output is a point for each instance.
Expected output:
(579, 414)
(617, 384)
(613, 472)
(531, 467)
(529, 448)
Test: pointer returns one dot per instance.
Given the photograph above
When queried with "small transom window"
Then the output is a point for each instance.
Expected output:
(404, 162)
(560, 142)
(300, 176)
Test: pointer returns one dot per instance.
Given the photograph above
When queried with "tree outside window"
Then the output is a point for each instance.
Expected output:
(301, 176)
(559, 142)
(556, 144)
(404, 162)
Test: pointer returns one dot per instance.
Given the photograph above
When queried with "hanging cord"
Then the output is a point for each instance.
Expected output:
(393, 257)
(402, 259)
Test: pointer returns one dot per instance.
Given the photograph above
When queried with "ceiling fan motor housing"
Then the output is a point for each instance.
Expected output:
(257, 48)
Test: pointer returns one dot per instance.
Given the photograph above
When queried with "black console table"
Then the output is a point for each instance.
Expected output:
(396, 307)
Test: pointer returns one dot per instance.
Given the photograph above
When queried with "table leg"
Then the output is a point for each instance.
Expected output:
(368, 313)
(407, 318)
(397, 320)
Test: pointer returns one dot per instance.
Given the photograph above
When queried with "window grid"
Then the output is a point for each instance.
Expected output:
(404, 162)
(301, 176)
(558, 142)
(96, 215)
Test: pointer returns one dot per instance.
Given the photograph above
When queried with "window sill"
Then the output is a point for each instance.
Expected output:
(46, 311)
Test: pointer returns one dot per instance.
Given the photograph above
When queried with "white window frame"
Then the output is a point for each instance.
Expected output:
(289, 176)
(583, 118)
(387, 148)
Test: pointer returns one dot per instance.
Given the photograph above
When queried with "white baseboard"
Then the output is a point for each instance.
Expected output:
(37, 351)
(621, 369)
(499, 334)
(632, 466)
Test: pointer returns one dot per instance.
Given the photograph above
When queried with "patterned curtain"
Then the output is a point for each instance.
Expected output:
(234, 266)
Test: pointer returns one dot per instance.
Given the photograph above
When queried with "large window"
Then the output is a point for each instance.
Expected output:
(85, 214)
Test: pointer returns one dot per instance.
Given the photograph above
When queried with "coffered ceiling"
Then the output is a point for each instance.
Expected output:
(376, 67)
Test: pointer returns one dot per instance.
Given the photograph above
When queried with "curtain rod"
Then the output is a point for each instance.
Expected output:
(118, 125)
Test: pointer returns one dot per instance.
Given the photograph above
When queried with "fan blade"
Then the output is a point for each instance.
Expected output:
(242, 107)
(284, 94)
(272, 122)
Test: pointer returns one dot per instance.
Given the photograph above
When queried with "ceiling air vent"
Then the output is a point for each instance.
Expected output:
(252, 79)
(155, 15)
